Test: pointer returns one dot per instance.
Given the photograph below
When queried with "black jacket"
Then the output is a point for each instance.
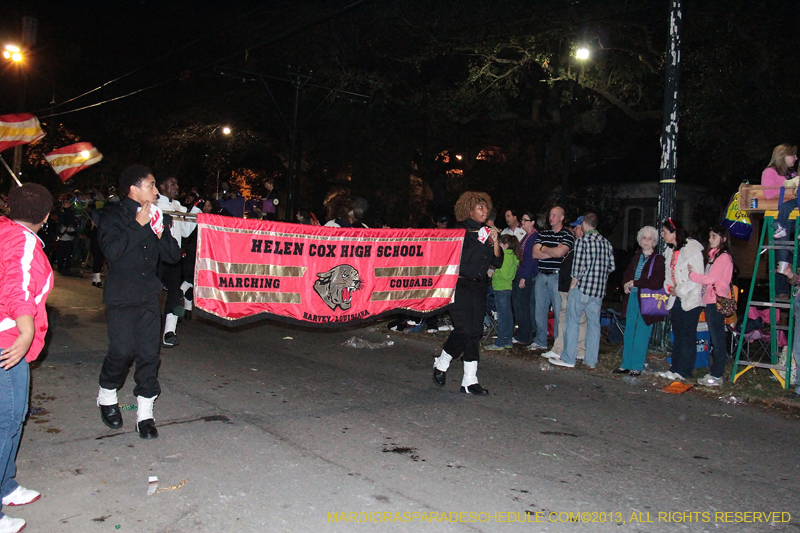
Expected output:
(476, 257)
(132, 251)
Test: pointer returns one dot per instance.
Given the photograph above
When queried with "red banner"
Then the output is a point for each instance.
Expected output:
(251, 269)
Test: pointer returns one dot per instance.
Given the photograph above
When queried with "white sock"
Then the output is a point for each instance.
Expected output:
(96, 278)
(171, 323)
(470, 373)
(443, 361)
(185, 286)
(107, 397)
(187, 304)
(144, 409)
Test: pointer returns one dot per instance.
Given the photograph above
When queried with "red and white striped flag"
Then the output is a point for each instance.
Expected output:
(68, 161)
(19, 129)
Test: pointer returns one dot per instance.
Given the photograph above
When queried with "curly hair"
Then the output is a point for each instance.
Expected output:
(29, 203)
(467, 202)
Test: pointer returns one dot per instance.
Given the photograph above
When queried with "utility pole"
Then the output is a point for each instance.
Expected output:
(669, 143)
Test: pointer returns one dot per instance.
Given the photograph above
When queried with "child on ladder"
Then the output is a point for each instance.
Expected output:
(779, 173)
(502, 279)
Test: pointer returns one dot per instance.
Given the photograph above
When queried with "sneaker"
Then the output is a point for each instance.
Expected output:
(550, 354)
(780, 232)
(445, 327)
(494, 347)
(516, 341)
(21, 496)
(11, 525)
(710, 381)
(672, 376)
(535, 347)
(558, 362)
(433, 330)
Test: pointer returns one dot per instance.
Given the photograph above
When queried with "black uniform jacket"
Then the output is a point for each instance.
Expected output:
(132, 251)
(476, 257)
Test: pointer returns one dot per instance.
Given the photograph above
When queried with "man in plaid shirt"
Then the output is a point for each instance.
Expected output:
(594, 261)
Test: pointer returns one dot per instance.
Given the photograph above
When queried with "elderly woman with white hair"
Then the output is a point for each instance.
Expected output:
(646, 271)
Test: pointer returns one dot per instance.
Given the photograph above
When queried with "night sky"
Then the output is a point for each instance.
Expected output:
(452, 77)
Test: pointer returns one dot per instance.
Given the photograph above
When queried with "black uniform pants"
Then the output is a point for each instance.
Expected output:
(170, 276)
(135, 334)
(467, 313)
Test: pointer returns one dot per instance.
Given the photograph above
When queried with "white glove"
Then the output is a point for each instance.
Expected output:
(156, 219)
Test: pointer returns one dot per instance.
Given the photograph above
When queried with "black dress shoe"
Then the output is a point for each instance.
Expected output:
(187, 315)
(111, 415)
(170, 340)
(147, 429)
(475, 389)
(439, 377)
(621, 371)
(635, 373)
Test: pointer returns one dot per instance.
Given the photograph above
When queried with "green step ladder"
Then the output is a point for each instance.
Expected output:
(782, 371)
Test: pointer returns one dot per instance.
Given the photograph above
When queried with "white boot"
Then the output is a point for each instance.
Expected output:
(144, 409)
(470, 373)
(442, 362)
(170, 324)
(96, 278)
(107, 397)
(469, 384)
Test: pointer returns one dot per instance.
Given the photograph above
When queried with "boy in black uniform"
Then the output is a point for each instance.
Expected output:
(132, 238)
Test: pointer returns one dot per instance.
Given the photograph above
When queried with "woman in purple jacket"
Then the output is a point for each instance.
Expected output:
(646, 271)
(522, 288)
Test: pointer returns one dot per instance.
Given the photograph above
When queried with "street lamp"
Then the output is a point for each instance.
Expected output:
(226, 130)
(582, 54)
(13, 53)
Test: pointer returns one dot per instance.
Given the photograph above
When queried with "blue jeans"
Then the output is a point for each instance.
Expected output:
(505, 318)
(14, 385)
(637, 335)
(524, 304)
(578, 304)
(684, 346)
(546, 294)
(719, 345)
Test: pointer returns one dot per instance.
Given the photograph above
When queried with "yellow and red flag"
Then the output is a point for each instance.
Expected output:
(19, 129)
(69, 160)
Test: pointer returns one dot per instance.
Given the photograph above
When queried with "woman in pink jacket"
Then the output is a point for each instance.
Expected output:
(716, 280)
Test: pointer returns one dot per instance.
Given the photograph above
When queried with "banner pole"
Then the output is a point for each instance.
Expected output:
(10, 171)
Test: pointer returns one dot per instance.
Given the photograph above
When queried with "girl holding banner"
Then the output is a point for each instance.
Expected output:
(481, 248)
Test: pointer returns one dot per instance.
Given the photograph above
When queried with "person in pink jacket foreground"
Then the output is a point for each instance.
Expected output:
(716, 280)
(26, 279)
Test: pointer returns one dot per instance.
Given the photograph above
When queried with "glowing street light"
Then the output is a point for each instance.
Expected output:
(13, 53)
(582, 53)
(226, 130)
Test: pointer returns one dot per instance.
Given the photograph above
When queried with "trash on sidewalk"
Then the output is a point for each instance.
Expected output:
(288, 338)
(731, 400)
(676, 387)
(632, 380)
(546, 367)
(127, 407)
(550, 386)
(152, 485)
(358, 342)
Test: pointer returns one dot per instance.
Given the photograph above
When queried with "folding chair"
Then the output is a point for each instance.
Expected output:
(489, 327)
(615, 326)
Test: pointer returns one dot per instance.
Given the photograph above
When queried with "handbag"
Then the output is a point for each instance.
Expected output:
(653, 302)
(726, 306)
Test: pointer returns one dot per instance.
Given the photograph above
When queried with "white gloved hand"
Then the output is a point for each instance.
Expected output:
(156, 219)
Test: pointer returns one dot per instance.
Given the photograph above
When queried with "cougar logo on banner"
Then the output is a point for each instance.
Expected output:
(336, 286)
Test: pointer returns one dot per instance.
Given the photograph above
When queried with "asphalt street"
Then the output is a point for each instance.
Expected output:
(280, 428)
